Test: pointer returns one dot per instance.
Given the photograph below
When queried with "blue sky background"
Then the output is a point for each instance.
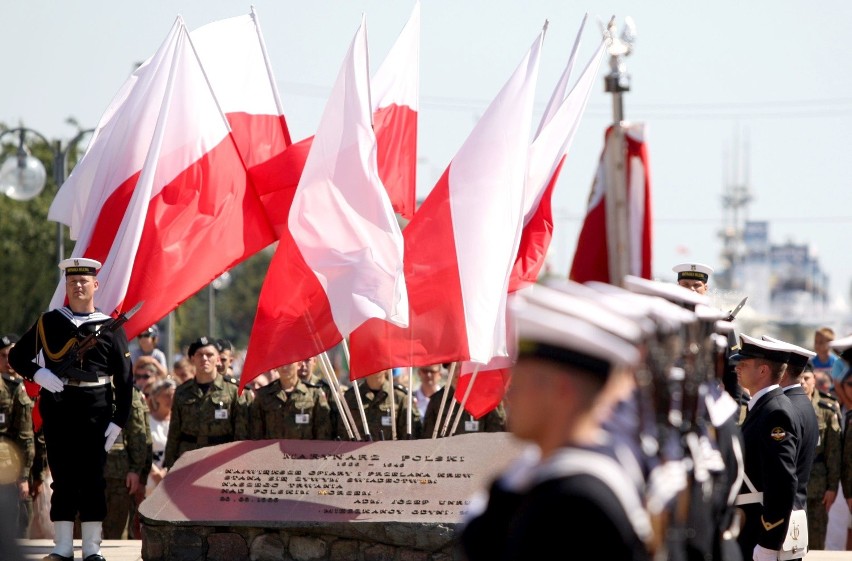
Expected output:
(774, 74)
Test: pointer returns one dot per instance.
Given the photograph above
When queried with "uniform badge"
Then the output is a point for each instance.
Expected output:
(778, 434)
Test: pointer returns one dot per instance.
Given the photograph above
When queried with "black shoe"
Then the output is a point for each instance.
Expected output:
(94, 557)
(57, 557)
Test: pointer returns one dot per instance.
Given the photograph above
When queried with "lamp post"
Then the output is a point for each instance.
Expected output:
(221, 282)
(23, 177)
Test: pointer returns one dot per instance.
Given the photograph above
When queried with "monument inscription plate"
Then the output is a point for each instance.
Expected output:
(274, 481)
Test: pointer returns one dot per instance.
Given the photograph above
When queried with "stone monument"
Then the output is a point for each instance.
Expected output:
(315, 499)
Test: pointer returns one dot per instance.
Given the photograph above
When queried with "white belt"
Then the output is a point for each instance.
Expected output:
(102, 381)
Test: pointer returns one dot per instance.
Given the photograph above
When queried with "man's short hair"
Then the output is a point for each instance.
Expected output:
(826, 332)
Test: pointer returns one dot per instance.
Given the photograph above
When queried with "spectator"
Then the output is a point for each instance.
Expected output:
(430, 381)
(825, 358)
(147, 341)
(161, 397)
(183, 370)
(147, 368)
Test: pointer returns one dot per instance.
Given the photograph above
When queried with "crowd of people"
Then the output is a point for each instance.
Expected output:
(730, 440)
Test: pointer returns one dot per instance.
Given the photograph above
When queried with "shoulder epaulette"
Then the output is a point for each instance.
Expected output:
(829, 404)
(828, 396)
(311, 384)
(231, 379)
(401, 388)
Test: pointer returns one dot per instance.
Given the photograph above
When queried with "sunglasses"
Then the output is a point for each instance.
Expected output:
(144, 375)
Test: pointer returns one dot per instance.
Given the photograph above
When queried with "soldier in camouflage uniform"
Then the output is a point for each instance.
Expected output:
(825, 473)
(207, 409)
(126, 472)
(493, 421)
(17, 448)
(25, 510)
(290, 408)
(376, 390)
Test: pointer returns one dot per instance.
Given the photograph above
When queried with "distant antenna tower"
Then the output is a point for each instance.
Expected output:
(736, 196)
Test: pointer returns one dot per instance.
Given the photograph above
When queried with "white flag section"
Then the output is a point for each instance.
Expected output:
(397, 81)
(562, 86)
(235, 62)
(341, 218)
(163, 191)
(486, 244)
(396, 102)
(557, 129)
(142, 134)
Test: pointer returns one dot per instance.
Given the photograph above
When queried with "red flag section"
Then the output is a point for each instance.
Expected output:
(162, 196)
(340, 261)
(591, 259)
(396, 92)
(461, 244)
(546, 156)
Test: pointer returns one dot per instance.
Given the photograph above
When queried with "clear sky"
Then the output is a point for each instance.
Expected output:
(775, 74)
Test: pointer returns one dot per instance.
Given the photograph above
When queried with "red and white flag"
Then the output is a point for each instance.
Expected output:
(547, 153)
(396, 93)
(461, 244)
(591, 258)
(162, 197)
(341, 261)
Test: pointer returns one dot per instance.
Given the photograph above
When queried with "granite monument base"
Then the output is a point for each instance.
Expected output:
(321, 500)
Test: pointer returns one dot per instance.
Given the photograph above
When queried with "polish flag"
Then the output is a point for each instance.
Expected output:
(341, 261)
(547, 154)
(162, 197)
(591, 258)
(461, 244)
(396, 87)
(395, 92)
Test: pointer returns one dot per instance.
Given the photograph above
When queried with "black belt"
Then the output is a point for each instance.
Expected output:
(82, 375)
(206, 440)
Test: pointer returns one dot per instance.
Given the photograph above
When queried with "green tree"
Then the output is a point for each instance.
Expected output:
(29, 272)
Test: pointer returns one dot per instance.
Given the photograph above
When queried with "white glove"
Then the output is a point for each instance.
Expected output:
(760, 553)
(48, 380)
(111, 435)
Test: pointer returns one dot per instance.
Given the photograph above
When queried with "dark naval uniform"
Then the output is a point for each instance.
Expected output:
(205, 417)
(808, 439)
(493, 421)
(301, 414)
(377, 408)
(770, 463)
(132, 453)
(825, 473)
(578, 493)
(75, 419)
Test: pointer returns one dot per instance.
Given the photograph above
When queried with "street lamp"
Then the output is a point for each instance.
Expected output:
(22, 176)
(221, 282)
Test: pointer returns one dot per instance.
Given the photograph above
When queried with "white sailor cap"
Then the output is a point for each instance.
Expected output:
(563, 297)
(80, 266)
(546, 333)
(671, 292)
(694, 271)
(662, 314)
(843, 347)
(751, 347)
(799, 356)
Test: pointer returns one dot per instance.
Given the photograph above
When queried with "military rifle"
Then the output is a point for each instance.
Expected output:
(75, 354)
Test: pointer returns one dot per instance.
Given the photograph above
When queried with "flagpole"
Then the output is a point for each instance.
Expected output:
(617, 216)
